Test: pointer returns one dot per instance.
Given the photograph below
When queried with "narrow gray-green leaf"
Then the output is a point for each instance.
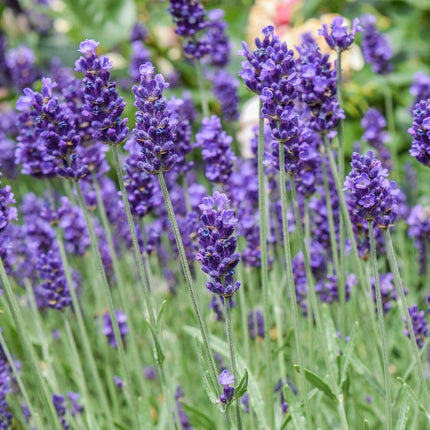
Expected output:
(413, 396)
(362, 370)
(161, 312)
(346, 357)
(403, 414)
(159, 356)
(295, 409)
(242, 387)
(366, 425)
(319, 383)
(210, 389)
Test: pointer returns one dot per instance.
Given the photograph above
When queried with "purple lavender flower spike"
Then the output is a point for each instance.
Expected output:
(53, 291)
(60, 407)
(76, 407)
(139, 55)
(373, 195)
(216, 39)
(108, 327)
(217, 245)
(190, 19)
(183, 417)
(5, 389)
(225, 90)
(226, 380)
(21, 62)
(419, 325)
(7, 212)
(420, 131)
(155, 123)
(103, 106)
(328, 288)
(388, 291)
(139, 32)
(419, 228)
(256, 324)
(340, 38)
(216, 150)
(420, 88)
(377, 50)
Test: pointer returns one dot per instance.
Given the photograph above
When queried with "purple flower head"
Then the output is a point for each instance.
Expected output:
(190, 19)
(21, 62)
(139, 55)
(226, 380)
(340, 38)
(5, 389)
(377, 50)
(150, 373)
(419, 325)
(373, 195)
(420, 131)
(155, 123)
(60, 407)
(76, 407)
(328, 288)
(225, 90)
(139, 32)
(419, 228)
(217, 245)
(103, 106)
(7, 212)
(255, 324)
(216, 39)
(374, 123)
(183, 417)
(108, 330)
(388, 291)
(216, 151)
(420, 88)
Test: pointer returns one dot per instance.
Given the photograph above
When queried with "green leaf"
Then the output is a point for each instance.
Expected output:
(413, 396)
(363, 371)
(366, 425)
(403, 414)
(158, 352)
(210, 388)
(330, 333)
(198, 418)
(120, 426)
(294, 408)
(319, 383)
(161, 312)
(346, 357)
(242, 387)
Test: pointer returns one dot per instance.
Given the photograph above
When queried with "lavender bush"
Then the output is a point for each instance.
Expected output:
(171, 257)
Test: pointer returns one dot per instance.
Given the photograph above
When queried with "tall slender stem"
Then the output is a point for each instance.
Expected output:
(405, 312)
(298, 335)
(340, 125)
(265, 270)
(188, 277)
(28, 347)
(203, 95)
(384, 352)
(109, 300)
(229, 333)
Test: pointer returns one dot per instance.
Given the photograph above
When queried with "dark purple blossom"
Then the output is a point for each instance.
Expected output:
(328, 290)
(420, 88)
(419, 228)
(21, 63)
(118, 382)
(76, 407)
(138, 55)
(7, 212)
(138, 32)
(419, 325)
(183, 417)
(226, 380)
(190, 19)
(217, 245)
(340, 37)
(5, 389)
(377, 50)
(60, 407)
(225, 90)
(388, 291)
(216, 150)
(255, 324)
(108, 330)
(8, 133)
(373, 195)
(103, 106)
(420, 131)
(217, 39)
(155, 123)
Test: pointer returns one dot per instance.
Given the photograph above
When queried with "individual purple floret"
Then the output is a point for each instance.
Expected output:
(190, 19)
(216, 150)
(118, 382)
(76, 407)
(60, 407)
(340, 38)
(8, 134)
(419, 228)
(419, 325)
(53, 291)
(150, 373)
(183, 417)
(328, 291)
(21, 63)
(226, 380)
(420, 88)
(103, 106)
(255, 324)
(388, 291)
(217, 245)
(377, 50)
(420, 131)
(216, 39)
(7, 212)
(225, 90)
(5, 389)
(245, 403)
(155, 123)
(108, 331)
(373, 195)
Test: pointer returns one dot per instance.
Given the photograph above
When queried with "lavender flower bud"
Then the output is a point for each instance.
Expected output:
(108, 330)
(420, 131)
(420, 88)
(60, 407)
(225, 90)
(340, 38)
(419, 325)
(255, 324)
(226, 380)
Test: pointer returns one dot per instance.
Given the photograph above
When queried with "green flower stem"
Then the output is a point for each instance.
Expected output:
(229, 333)
(340, 125)
(28, 348)
(188, 278)
(83, 331)
(315, 307)
(383, 339)
(203, 94)
(244, 315)
(17, 376)
(334, 248)
(404, 308)
(143, 274)
(265, 271)
(298, 333)
(109, 301)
